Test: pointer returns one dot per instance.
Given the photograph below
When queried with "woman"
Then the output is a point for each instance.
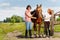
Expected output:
(47, 17)
(28, 17)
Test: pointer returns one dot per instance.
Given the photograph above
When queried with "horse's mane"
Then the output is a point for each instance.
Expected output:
(34, 14)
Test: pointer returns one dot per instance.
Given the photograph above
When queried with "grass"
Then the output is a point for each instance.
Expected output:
(57, 28)
(9, 27)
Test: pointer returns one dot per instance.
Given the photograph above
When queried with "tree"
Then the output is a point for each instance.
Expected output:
(7, 20)
(58, 19)
(14, 19)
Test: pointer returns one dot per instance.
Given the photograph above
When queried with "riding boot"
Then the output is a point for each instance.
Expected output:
(30, 34)
(49, 33)
(26, 33)
(46, 33)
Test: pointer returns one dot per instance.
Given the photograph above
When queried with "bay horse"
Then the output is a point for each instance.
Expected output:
(38, 14)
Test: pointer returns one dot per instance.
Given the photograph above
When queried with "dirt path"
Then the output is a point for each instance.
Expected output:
(12, 36)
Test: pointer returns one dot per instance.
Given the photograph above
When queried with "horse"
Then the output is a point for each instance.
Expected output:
(38, 14)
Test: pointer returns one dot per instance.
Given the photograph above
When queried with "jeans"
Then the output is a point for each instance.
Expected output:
(28, 29)
(28, 25)
(46, 28)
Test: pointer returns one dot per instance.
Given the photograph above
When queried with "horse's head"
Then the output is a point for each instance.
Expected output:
(39, 10)
(38, 14)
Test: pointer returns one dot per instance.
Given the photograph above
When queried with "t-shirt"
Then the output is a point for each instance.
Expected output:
(27, 16)
(47, 17)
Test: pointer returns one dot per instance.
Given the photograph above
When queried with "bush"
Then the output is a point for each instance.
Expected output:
(58, 19)
(14, 19)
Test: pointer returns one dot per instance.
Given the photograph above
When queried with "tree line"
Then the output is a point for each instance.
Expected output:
(14, 19)
(17, 19)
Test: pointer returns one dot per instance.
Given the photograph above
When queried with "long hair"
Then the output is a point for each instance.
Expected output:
(28, 6)
(50, 11)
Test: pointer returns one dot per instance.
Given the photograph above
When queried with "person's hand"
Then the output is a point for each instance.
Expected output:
(34, 18)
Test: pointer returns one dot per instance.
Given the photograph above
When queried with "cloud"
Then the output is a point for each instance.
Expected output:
(20, 11)
(22, 0)
(12, 11)
(56, 9)
(54, 0)
(4, 4)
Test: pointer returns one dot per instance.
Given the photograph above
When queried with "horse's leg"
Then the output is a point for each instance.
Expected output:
(39, 27)
(35, 29)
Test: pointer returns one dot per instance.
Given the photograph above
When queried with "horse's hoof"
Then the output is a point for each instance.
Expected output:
(44, 36)
(39, 37)
(35, 36)
(30, 37)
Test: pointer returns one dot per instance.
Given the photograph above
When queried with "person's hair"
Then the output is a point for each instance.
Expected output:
(28, 6)
(50, 11)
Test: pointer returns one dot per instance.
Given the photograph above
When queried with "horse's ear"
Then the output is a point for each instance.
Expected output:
(40, 5)
(37, 5)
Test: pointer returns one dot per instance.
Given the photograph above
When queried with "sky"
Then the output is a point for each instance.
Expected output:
(18, 7)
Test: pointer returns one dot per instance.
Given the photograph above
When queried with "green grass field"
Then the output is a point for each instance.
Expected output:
(9, 27)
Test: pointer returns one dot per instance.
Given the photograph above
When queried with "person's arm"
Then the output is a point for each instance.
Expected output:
(48, 17)
(34, 17)
(30, 16)
(27, 15)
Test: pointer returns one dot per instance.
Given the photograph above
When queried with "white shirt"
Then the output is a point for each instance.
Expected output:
(47, 17)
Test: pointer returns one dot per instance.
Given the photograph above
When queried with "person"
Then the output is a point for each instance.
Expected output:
(52, 24)
(47, 17)
(28, 22)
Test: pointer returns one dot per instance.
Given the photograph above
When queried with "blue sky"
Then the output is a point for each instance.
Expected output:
(23, 3)
(17, 7)
(45, 3)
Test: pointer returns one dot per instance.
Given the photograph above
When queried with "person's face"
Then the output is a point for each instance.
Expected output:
(48, 11)
(29, 8)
